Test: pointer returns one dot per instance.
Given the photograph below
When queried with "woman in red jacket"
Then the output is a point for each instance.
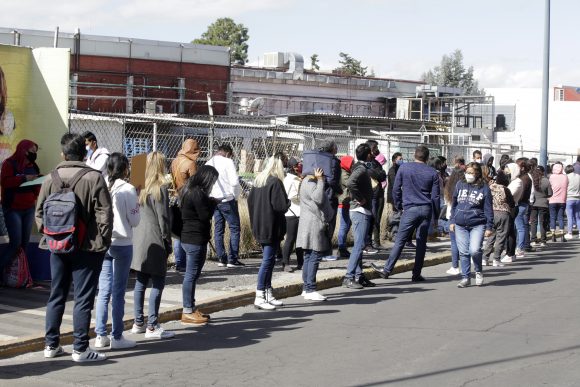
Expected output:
(18, 202)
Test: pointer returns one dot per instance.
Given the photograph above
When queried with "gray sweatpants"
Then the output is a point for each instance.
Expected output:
(497, 243)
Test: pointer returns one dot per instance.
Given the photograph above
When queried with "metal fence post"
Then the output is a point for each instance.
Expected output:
(154, 136)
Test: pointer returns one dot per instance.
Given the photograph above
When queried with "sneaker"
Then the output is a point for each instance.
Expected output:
(158, 333)
(314, 296)
(196, 318)
(508, 259)
(568, 237)
(351, 284)
(453, 271)
(102, 342)
(138, 329)
(88, 356)
(303, 293)
(50, 352)
(380, 270)
(497, 263)
(519, 253)
(222, 264)
(534, 244)
(484, 262)
(478, 278)
(329, 258)
(369, 250)
(365, 282)
(235, 263)
(410, 245)
(343, 253)
(542, 244)
(465, 282)
(122, 343)
(287, 268)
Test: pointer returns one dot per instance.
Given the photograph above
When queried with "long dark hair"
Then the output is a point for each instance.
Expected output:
(117, 167)
(479, 181)
(456, 176)
(204, 180)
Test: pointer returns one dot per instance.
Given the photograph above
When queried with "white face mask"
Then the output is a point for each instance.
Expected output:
(469, 178)
(88, 148)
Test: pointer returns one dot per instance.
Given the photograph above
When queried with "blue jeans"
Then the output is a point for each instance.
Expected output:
(557, 212)
(157, 285)
(267, 266)
(195, 257)
(311, 262)
(454, 250)
(178, 254)
(344, 227)
(522, 225)
(81, 269)
(469, 242)
(360, 227)
(413, 218)
(19, 226)
(112, 284)
(573, 214)
(227, 212)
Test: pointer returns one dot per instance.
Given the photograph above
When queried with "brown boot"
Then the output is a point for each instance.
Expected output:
(196, 318)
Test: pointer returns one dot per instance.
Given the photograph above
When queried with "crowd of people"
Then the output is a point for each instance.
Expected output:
(119, 229)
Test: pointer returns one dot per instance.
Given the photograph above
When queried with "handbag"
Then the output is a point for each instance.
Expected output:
(176, 219)
(17, 274)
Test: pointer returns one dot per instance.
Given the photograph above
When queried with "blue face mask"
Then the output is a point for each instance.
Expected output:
(400, 162)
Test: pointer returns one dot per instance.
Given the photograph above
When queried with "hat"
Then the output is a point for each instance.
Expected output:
(292, 162)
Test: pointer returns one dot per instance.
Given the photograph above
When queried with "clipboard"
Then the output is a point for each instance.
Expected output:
(37, 181)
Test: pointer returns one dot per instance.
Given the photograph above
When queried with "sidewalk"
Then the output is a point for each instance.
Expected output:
(22, 311)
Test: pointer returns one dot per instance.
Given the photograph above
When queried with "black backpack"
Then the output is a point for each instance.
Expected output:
(62, 226)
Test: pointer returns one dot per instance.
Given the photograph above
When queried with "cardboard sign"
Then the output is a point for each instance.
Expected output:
(138, 166)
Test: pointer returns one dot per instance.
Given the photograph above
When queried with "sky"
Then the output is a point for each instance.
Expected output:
(401, 39)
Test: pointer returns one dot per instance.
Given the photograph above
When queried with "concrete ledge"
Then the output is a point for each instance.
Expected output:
(244, 298)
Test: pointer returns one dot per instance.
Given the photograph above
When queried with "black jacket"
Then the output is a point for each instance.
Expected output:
(360, 187)
(197, 209)
(267, 206)
(390, 181)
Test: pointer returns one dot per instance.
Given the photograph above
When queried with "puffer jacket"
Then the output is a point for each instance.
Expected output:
(185, 164)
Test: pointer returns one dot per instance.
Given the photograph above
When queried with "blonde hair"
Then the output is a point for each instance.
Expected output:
(274, 167)
(154, 177)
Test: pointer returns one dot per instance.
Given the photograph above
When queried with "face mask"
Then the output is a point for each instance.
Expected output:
(399, 162)
(469, 178)
(31, 157)
(478, 161)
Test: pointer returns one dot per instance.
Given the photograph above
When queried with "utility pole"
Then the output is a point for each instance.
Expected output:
(545, 88)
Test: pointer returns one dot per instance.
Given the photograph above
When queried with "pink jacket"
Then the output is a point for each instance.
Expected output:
(559, 183)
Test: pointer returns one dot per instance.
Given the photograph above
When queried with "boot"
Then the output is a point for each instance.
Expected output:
(562, 238)
(553, 236)
(260, 301)
(271, 299)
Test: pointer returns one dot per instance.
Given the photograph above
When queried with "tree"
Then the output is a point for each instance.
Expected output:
(314, 66)
(350, 66)
(451, 72)
(225, 32)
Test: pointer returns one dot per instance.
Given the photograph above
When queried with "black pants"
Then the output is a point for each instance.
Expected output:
(378, 207)
(498, 241)
(512, 235)
(291, 233)
(543, 215)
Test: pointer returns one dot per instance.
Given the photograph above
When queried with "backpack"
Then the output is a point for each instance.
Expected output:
(62, 227)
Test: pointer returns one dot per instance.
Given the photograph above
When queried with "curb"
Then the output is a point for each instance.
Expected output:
(36, 343)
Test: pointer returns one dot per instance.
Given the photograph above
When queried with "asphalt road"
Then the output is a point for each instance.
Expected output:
(520, 329)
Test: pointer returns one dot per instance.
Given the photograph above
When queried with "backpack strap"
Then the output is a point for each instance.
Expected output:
(56, 180)
(59, 184)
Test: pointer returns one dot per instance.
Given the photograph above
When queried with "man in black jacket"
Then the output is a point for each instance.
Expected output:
(332, 189)
(378, 177)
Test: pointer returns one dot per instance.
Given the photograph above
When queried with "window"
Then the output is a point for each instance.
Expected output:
(559, 95)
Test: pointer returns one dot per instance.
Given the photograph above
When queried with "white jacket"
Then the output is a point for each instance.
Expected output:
(227, 186)
(98, 161)
(292, 185)
(515, 186)
(125, 212)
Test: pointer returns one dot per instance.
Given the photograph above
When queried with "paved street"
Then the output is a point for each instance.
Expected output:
(520, 329)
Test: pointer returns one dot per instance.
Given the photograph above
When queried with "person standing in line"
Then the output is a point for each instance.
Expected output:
(577, 165)
(96, 156)
(455, 177)
(378, 177)
(346, 163)
(396, 162)
(420, 184)
(197, 210)
(559, 183)
(503, 205)
(152, 246)
(488, 162)
(18, 202)
(521, 221)
(512, 170)
(313, 230)
(182, 168)
(477, 158)
(361, 194)
(267, 204)
(292, 187)
(572, 201)
(471, 219)
(542, 192)
(117, 262)
(504, 161)
(226, 190)
(332, 189)
(81, 267)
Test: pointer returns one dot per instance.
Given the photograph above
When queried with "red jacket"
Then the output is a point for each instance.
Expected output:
(14, 197)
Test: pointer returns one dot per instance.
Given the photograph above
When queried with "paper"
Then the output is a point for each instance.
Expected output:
(37, 181)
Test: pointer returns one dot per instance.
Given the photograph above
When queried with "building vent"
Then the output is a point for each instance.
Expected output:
(274, 60)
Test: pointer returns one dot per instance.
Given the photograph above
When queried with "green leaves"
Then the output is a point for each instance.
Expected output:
(451, 72)
(225, 32)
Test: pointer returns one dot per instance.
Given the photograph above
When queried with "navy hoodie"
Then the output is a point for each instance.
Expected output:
(472, 206)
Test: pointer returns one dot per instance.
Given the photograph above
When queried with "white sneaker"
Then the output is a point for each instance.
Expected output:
(453, 271)
(508, 259)
(497, 263)
(260, 301)
(88, 356)
(138, 329)
(303, 293)
(478, 278)
(158, 333)
(542, 244)
(102, 342)
(534, 244)
(520, 253)
(329, 258)
(568, 237)
(271, 299)
(122, 343)
(50, 352)
(314, 296)
(484, 262)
